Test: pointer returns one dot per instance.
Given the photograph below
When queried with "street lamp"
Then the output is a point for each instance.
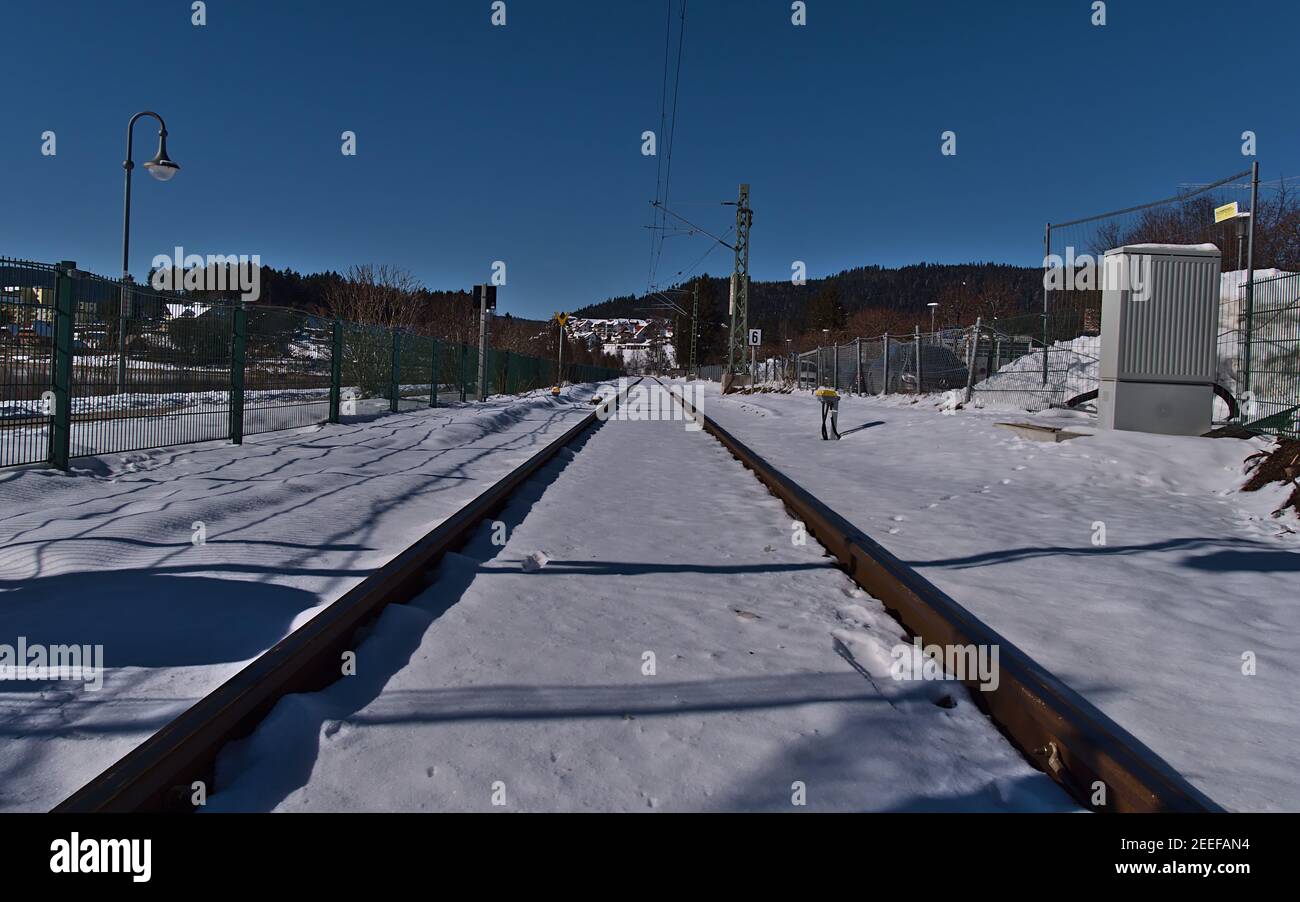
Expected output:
(934, 306)
(163, 168)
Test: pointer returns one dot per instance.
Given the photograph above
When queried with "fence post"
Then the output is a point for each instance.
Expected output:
(395, 391)
(433, 372)
(336, 371)
(917, 339)
(238, 349)
(970, 360)
(1249, 336)
(884, 388)
(463, 354)
(995, 347)
(61, 424)
(1047, 252)
(505, 379)
(858, 379)
(835, 362)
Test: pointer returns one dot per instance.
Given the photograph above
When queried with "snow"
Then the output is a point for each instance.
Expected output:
(1151, 627)
(1073, 369)
(160, 417)
(1212, 249)
(289, 521)
(770, 669)
(177, 311)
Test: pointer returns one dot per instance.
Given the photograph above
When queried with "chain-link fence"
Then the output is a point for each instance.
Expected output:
(93, 366)
(918, 363)
(768, 371)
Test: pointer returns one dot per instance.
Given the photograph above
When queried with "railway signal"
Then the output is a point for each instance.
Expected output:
(487, 303)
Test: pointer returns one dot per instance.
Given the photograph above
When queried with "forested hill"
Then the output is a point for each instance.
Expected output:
(963, 291)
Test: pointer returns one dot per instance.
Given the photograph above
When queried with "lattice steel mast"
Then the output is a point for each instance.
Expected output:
(737, 339)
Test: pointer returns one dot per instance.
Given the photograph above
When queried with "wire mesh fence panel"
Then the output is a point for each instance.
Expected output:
(286, 369)
(26, 360)
(452, 368)
(415, 357)
(527, 379)
(1012, 366)
(366, 369)
(872, 370)
(1272, 383)
(148, 370)
(842, 362)
(806, 369)
(713, 372)
(498, 370)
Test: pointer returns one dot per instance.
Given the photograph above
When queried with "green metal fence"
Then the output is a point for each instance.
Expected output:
(94, 366)
(26, 360)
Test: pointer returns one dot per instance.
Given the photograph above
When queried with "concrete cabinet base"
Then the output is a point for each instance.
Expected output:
(1161, 407)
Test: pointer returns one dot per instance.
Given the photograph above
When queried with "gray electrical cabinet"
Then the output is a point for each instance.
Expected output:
(1159, 331)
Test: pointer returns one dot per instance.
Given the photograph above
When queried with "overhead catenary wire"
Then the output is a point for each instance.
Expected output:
(688, 272)
(663, 117)
(699, 229)
(668, 130)
(672, 128)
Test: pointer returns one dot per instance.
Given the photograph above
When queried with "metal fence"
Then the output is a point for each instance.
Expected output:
(918, 363)
(1271, 393)
(1005, 363)
(94, 366)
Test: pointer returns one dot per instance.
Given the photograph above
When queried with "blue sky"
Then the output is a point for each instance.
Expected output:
(478, 143)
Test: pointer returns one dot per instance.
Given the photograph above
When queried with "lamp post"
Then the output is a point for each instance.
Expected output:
(934, 307)
(161, 167)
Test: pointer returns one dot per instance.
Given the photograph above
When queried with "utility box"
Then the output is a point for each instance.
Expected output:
(1159, 334)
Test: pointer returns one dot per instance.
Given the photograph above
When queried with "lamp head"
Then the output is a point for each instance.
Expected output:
(162, 167)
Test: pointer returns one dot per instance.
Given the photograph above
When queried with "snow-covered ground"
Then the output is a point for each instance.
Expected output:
(520, 677)
(104, 423)
(111, 554)
(1155, 626)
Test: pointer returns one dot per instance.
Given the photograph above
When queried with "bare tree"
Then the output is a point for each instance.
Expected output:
(378, 295)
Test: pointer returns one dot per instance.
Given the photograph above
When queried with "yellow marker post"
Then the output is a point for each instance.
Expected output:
(830, 399)
(560, 318)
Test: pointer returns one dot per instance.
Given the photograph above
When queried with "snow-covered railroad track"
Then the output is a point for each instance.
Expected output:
(642, 627)
(160, 774)
(1064, 735)
(666, 645)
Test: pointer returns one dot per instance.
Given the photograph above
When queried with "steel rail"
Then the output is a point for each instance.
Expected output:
(1059, 731)
(158, 775)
